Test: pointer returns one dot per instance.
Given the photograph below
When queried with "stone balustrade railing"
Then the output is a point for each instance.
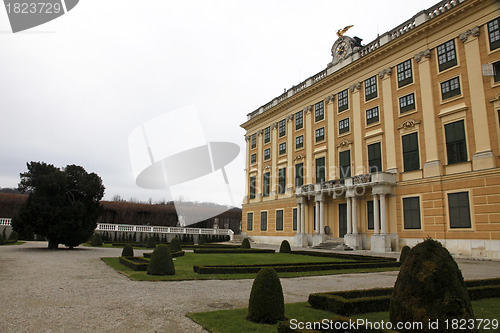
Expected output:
(5, 222)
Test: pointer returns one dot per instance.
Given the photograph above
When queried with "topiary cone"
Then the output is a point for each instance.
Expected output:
(161, 262)
(175, 245)
(128, 251)
(266, 303)
(151, 243)
(430, 287)
(245, 244)
(404, 253)
(285, 247)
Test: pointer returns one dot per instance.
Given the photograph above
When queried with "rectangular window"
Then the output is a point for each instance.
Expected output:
(371, 214)
(282, 128)
(294, 224)
(281, 180)
(407, 103)
(411, 159)
(267, 134)
(411, 212)
(496, 71)
(299, 120)
(279, 220)
(320, 170)
(343, 100)
(253, 158)
(372, 115)
(282, 148)
(299, 142)
(266, 184)
(267, 154)
(249, 221)
(405, 75)
(299, 175)
(344, 126)
(494, 33)
(456, 148)
(252, 187)
(371, 88)
(458, 204)
(254, 140)
(263, 221)
(450, 88)
(320, 134)
(374, 158)
(319, 111)
(447, 57)
(345, 164)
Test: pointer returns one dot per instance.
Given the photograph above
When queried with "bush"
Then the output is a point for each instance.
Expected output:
(285, 247)
(128, 251)
(430, 286)
(96, 240)
(266, 303)
(245, 244)
(161, 262)
(175, 245)
(13, 237)
(151, 243)
(202, 240)
(404, 253)
(2, 241)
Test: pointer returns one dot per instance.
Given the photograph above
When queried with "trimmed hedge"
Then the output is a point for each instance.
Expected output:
(404, 253)
(96, 240)
(211, 246)
(128, 243)
(266, 304)
(151, 242)
(375, 300)
(207, 251)
(175, 245)
(245, 244)
(173, 254)
(128, 251)
(343, 256)
(285, 247)
(161, 262)
(131, 262)
(290, 267)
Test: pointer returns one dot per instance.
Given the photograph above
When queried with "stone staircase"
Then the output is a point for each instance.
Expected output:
(335, 244)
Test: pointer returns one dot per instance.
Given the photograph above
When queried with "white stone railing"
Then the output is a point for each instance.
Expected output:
(163, 230)
(5, 222)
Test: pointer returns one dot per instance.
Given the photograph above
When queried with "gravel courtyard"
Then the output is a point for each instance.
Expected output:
(74, 291)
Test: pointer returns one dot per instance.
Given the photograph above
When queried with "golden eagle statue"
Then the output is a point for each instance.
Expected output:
(341, 32)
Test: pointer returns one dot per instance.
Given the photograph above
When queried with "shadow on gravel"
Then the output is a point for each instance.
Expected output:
(46, 249)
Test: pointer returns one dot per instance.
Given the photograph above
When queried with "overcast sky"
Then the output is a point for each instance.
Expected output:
(73, 89)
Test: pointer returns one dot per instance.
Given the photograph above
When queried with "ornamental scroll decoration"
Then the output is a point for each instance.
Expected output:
(355, 86)
(471, 32)
(423, 54)
(329, 99)
(308, 109)
(299, 157)
(410, 123)
(274, 126)
(384, 72)
(259, 132)
(248, 137)
(289, 118)
(344, 143)
(267, 167)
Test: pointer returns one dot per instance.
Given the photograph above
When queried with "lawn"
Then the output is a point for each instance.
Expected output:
(184, 266)
(232, 321)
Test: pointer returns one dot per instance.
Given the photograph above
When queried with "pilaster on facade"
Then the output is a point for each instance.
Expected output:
(483, 157)
(289, 155)
(274, 160)
(308, 142)
(357, 154)
(331, 171)
(390, 139)
(260, 164)
(247, 170)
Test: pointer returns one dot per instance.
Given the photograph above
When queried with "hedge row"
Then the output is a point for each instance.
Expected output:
(235, 250)
(211, 246)
(375, 300)
(297, 267)
(348, 256)
(335, 323)
(128, 261)
(173, 254)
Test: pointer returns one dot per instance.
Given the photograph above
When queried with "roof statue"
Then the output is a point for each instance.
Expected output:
(341, 32)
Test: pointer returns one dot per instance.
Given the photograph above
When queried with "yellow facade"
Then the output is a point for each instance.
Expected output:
(422, 143)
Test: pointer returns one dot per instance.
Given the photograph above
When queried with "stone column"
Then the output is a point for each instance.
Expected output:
(349, 216)
(383, 215)
(376, 216)
(483, 157)
(316, 220)
(321, 217)
(299, 215)
(303, 219)
(354, 215)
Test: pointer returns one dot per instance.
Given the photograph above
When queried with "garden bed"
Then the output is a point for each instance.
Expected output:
(135, 263)
(235, 250)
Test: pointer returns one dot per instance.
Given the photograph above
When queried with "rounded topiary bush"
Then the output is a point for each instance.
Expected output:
(245, 244)
(175, 245)
(404, 253)
(128, 251)
(2, 241)
(430, 286)
(202, 240)
(161, 262)
(267, 304)
(13, 237)
(151, 242)
(96, 240)
(285, 247)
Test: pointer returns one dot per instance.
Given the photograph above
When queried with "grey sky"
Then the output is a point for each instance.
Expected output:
(72, 90)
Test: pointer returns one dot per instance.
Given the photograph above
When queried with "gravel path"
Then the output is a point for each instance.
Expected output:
(63, 290)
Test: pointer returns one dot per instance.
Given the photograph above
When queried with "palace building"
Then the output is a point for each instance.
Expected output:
(394, 141)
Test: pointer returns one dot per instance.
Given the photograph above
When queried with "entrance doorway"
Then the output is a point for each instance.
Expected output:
(342, 219)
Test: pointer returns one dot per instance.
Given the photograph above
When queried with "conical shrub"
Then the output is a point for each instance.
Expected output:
(202, 240)
(161, 262)
(266, 304)
(245, 244)
(430, 287)
(285, 247)
(96, 240)
(13, 237)
(404, 253)
(128, 251)
(175, 245)
(151, 242)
